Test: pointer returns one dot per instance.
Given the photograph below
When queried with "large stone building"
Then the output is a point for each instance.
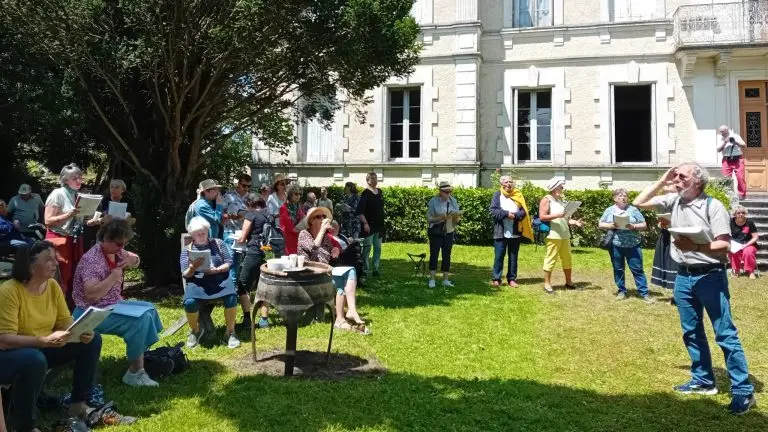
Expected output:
(598, 92)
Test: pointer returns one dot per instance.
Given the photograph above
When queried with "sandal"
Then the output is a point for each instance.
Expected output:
(107, 416)
(342, 325)
(357, 320)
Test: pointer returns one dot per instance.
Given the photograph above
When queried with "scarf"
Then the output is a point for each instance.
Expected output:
(293, 210)
(524, 226)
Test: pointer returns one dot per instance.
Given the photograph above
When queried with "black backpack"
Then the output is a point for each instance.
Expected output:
(163, 361)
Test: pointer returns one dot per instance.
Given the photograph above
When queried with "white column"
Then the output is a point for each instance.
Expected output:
(466, 111)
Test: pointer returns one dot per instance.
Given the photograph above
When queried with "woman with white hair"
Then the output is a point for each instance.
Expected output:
(64, 227)
(207, 277)
(552, 212)
(117, 194)
(744, 247)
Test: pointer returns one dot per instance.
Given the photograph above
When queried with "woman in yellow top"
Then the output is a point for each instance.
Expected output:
(33, 335)
(552, 212)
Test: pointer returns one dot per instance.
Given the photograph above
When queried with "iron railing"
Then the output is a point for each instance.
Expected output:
(731, 23)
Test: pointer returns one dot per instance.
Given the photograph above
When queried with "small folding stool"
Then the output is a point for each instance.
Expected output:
(419, 265)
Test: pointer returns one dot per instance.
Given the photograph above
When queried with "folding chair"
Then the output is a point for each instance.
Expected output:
(419, 265)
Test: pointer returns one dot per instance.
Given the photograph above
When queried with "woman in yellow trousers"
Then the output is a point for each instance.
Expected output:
(552, 212)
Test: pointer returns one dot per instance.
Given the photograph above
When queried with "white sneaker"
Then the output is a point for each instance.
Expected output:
(139, 379)
(447, 284)
(431, 283)
(233, 341)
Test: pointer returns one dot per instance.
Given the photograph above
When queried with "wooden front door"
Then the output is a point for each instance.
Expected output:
(753, 115)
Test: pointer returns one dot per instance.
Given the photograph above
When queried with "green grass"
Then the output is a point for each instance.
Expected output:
(470, 358)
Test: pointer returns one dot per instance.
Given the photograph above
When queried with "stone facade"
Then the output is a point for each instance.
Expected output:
(484, 62)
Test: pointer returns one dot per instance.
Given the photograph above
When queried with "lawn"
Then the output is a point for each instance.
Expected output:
(467, 358)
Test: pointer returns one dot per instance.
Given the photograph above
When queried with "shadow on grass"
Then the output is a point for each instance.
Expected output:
(408, 402)
(724, 382)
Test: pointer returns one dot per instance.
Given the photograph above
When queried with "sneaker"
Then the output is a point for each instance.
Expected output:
(139, 379)
(448, 284)
(233, 341)
(740, 404)
(621, 295)
(648, 299)
(263, 323)
(431, 283)
(193, 339)
(693, 388)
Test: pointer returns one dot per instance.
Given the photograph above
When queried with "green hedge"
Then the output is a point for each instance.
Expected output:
(406, 212)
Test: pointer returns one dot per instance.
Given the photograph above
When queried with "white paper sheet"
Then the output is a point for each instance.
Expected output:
(88, 204)
(571, 208)
(735, 246)
(696, 234)
(205, 255)
(118, 210)
(621, 220)
(87, 322)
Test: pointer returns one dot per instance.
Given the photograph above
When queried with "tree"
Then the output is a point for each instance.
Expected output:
(166, 83)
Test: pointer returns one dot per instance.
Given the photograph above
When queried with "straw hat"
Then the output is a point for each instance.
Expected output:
(445, 186)
(207, 184)
(315, 210)
(278, 178)
(554, 184)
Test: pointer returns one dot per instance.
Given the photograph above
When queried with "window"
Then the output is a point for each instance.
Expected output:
(533, 134)
(532, 13)
(631, 10)
(318, 141)
(633, 123)
(405, 124)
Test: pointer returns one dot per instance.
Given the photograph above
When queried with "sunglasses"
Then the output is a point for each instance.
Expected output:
(319, 217)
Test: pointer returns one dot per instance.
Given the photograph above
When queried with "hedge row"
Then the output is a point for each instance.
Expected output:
(406, 212)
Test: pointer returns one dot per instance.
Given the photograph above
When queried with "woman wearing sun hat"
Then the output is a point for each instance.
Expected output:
(316, 245)
(442, 215)
(552, 211)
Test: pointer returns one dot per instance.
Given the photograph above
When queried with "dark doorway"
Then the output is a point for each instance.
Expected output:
(632, 119)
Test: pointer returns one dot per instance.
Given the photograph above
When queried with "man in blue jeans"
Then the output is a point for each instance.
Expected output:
(701, 282)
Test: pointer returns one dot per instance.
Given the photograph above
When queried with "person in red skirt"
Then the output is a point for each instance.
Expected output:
(64, 227)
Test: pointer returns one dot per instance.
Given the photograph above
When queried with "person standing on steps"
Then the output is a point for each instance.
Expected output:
(552, 212)
(702, 283)
(732, 146)
(370, 210)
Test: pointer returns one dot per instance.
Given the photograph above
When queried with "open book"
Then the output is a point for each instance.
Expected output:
(696, 234)
(205, 255)
(571, 208)
(87, 322)
(87, 204)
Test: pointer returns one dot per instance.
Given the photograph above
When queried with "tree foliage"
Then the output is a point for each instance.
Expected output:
(165, 84)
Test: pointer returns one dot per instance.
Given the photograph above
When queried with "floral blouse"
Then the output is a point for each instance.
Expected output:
(311, 252)
(94, 266)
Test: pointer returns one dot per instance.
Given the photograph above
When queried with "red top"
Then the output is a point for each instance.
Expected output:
(289, 232)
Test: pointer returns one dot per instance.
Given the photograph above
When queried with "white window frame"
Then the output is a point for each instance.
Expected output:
(533, 125)
(610, 6)
(406, 123)
(652, 125)
(534, 16)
